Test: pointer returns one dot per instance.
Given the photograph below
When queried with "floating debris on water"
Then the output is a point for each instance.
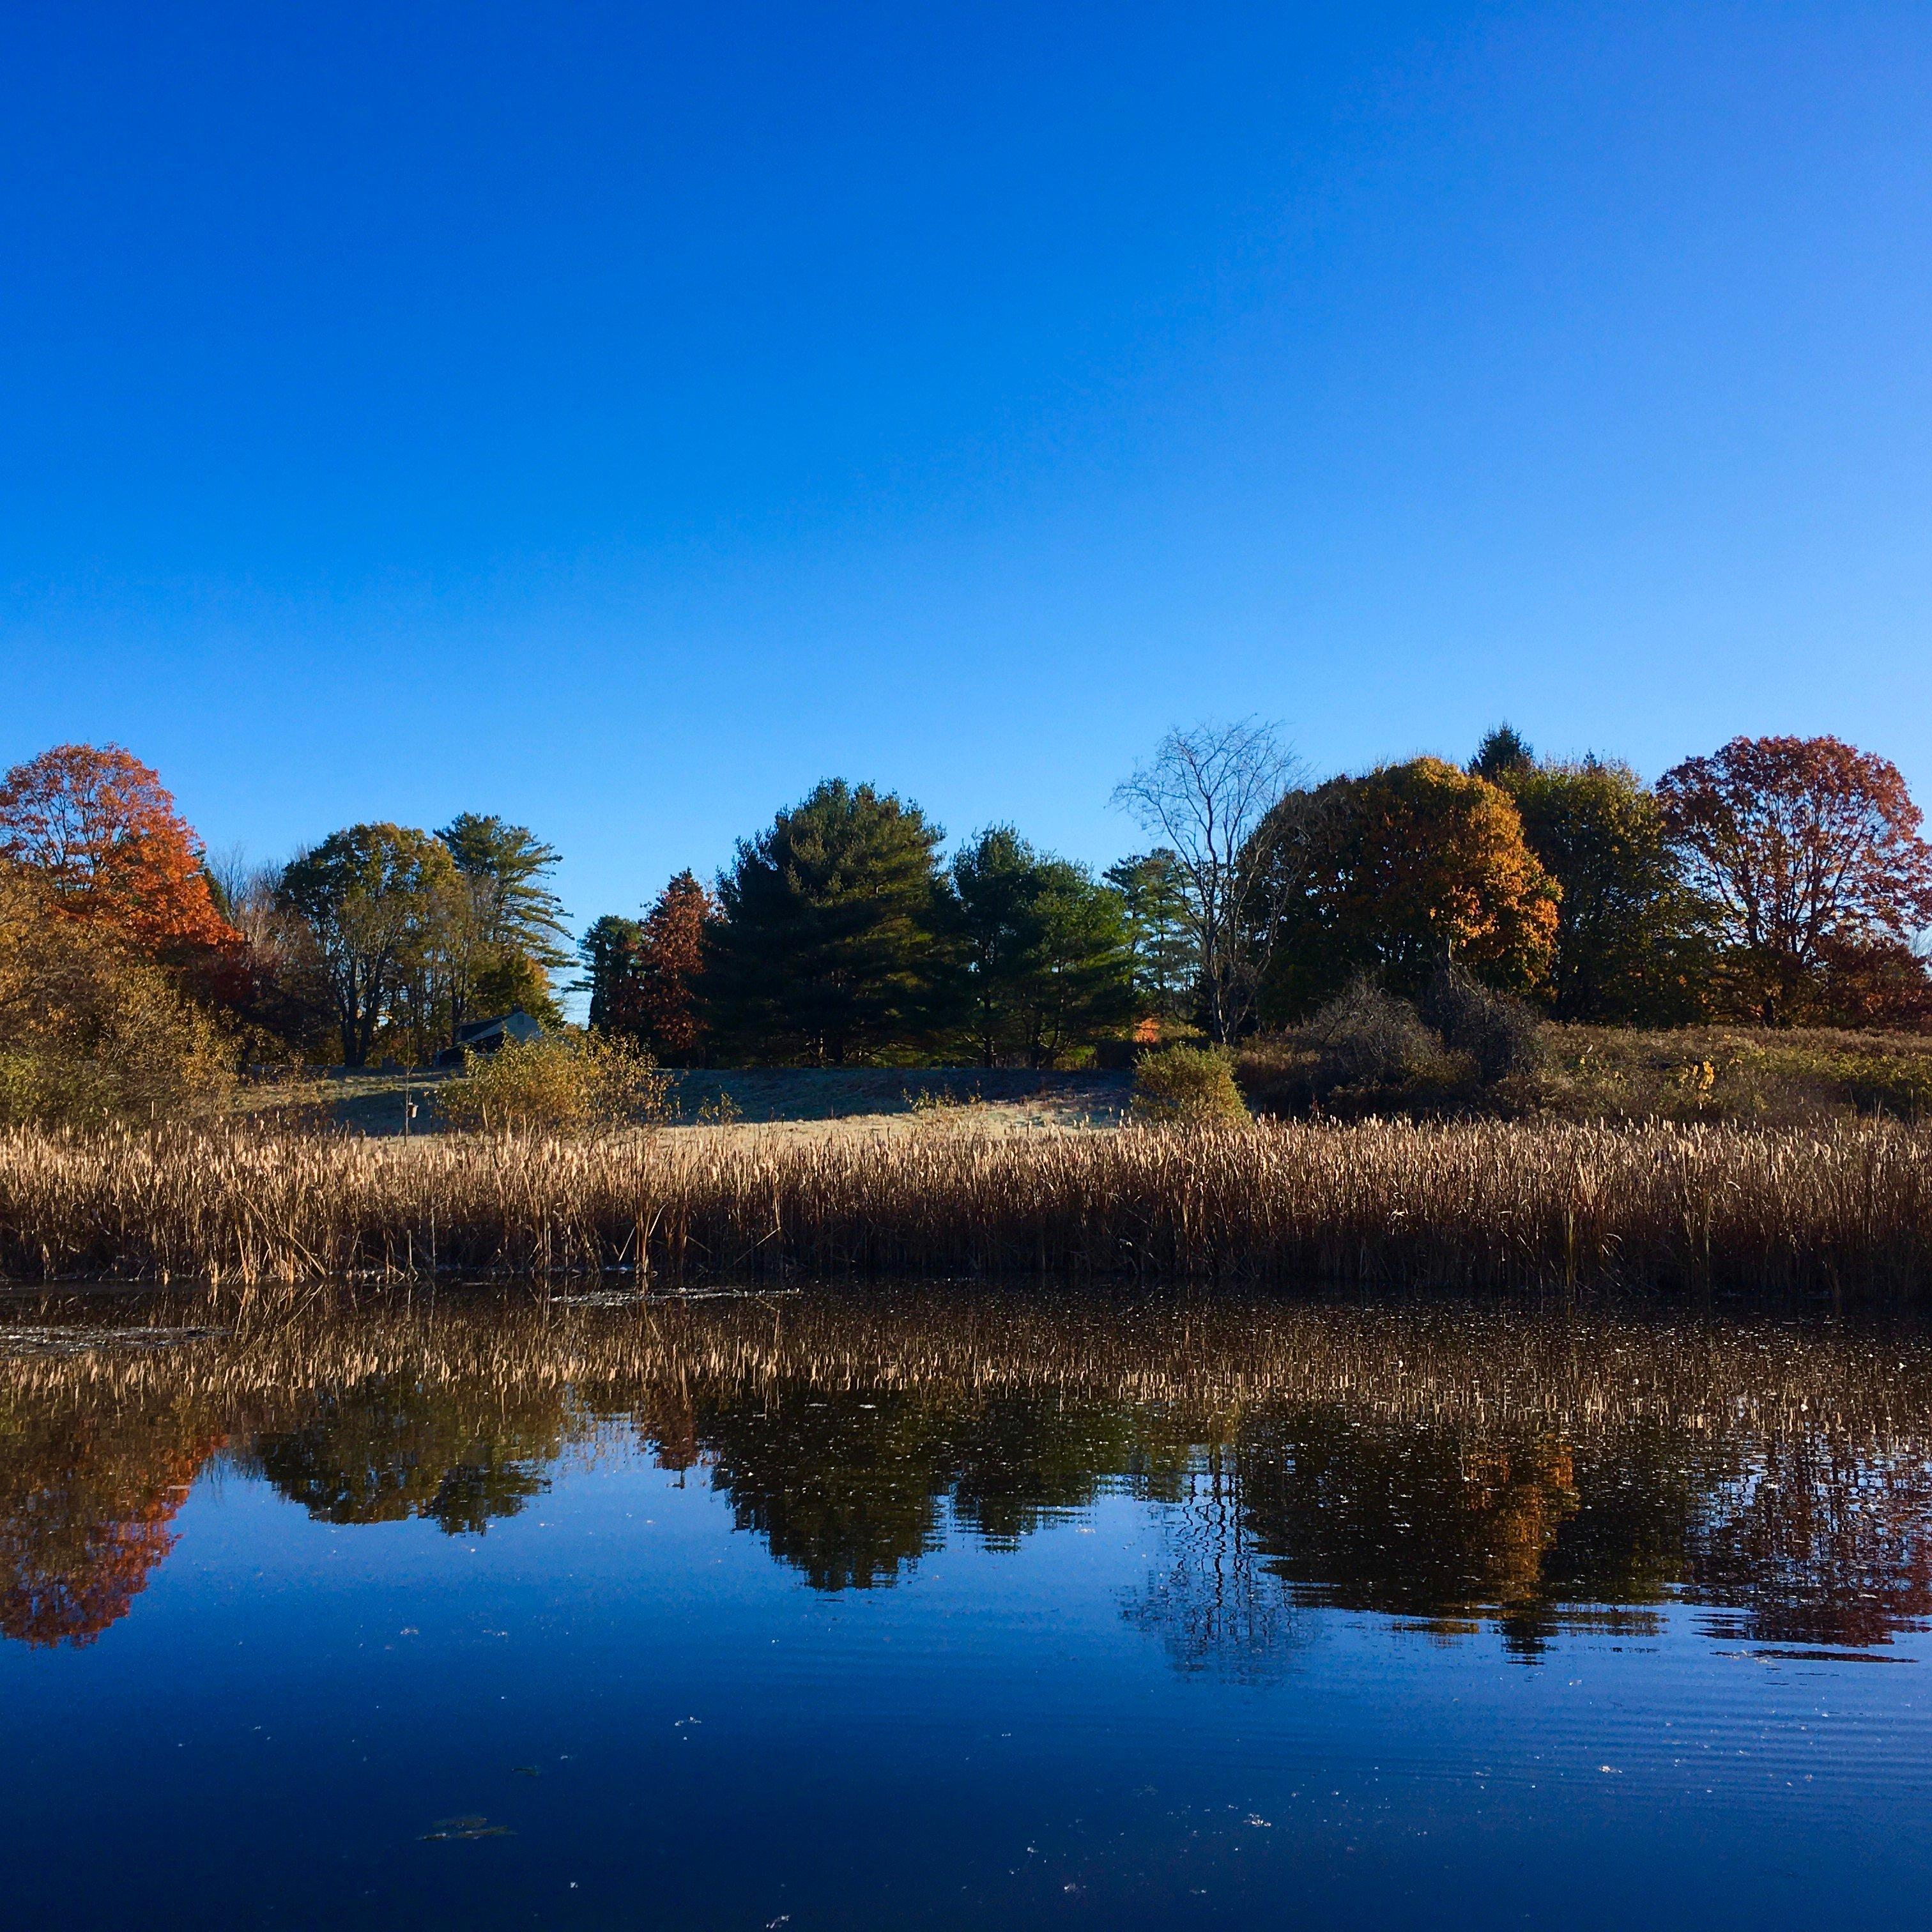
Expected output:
(451, 1829)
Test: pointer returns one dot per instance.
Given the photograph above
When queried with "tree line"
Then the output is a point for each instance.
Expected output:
(1777, 880)
(1780, 880)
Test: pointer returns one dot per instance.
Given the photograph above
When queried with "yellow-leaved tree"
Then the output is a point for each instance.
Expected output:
(1397, 875)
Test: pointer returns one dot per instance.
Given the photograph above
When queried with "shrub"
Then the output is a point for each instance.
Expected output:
(89, 1033)
(1191, 1086)
(1501, 1034)
(1368, 1038)
(562, 1084)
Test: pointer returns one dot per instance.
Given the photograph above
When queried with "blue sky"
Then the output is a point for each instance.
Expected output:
(620, 418)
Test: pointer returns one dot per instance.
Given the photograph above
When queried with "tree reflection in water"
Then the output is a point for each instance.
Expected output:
(1215, 1608)
(392, 1446)
(1455, 1468)
(88, 1493)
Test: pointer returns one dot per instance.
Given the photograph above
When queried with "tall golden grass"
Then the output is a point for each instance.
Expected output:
(1847, 1207)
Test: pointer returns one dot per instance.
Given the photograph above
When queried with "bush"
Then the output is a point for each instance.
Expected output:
(1368, 1038)
(1501, 1034)
(561, 1084)
(1190, 1086)
(89, 1033)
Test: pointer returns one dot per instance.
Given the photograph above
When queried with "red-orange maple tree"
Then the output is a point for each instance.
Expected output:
(100, 832)
(1801, 845)
(670, 958)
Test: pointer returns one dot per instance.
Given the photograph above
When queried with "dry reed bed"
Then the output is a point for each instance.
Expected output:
(1843, 1207)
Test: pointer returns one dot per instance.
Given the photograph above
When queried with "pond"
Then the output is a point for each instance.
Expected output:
(939, 1607)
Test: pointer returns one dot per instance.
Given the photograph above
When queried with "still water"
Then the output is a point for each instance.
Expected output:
(945, 1608)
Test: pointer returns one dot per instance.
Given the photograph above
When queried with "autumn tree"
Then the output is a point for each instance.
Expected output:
(644, 976)
(829, 947)
(1630, 941)
(91, 1031)
(89, 1489)
(1395, 875)
(101, 833)
(374, 900)
(1808, 851)
(670, 962)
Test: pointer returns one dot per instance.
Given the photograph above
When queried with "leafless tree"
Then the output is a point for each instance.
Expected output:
(1208, 792)
(244, 891)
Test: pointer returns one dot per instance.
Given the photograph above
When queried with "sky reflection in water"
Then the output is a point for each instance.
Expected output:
(951, 1608)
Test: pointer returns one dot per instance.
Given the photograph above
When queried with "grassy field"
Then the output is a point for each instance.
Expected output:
(1707, 1074)
(1747, 1074)
(1841, 1209)
(796, 1101)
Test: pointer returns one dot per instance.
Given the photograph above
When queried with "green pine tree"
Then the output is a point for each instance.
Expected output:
(832, 946)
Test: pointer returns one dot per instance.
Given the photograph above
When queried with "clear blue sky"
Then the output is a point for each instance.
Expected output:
(620, 417)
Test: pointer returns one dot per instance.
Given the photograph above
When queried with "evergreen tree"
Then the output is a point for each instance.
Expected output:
(1167, 954)
(994, 885)
(1503, 751)
(1048, 960)
(508, 866)
(1080, 983)
(512, 936)
(609, 951)
(831, 945)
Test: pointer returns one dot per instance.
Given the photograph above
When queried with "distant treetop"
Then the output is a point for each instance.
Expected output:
(1504, 751)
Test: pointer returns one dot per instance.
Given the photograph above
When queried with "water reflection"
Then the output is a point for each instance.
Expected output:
(390, 1446)
(1456, 1468)
(88, 1489)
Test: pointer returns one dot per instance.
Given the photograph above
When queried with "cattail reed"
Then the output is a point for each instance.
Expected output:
(1845, 1208)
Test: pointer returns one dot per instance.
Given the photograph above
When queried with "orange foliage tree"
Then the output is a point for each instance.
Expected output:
(1397, 874)
(98, 831)
(670, 957)
(643, 977)
(1807, 853)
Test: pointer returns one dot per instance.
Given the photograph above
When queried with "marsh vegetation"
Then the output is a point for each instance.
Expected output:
(1844, 1210)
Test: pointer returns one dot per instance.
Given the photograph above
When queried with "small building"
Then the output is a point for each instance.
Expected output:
(486, 1036)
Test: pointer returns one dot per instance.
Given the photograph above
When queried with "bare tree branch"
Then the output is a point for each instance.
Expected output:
(1207, 793)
